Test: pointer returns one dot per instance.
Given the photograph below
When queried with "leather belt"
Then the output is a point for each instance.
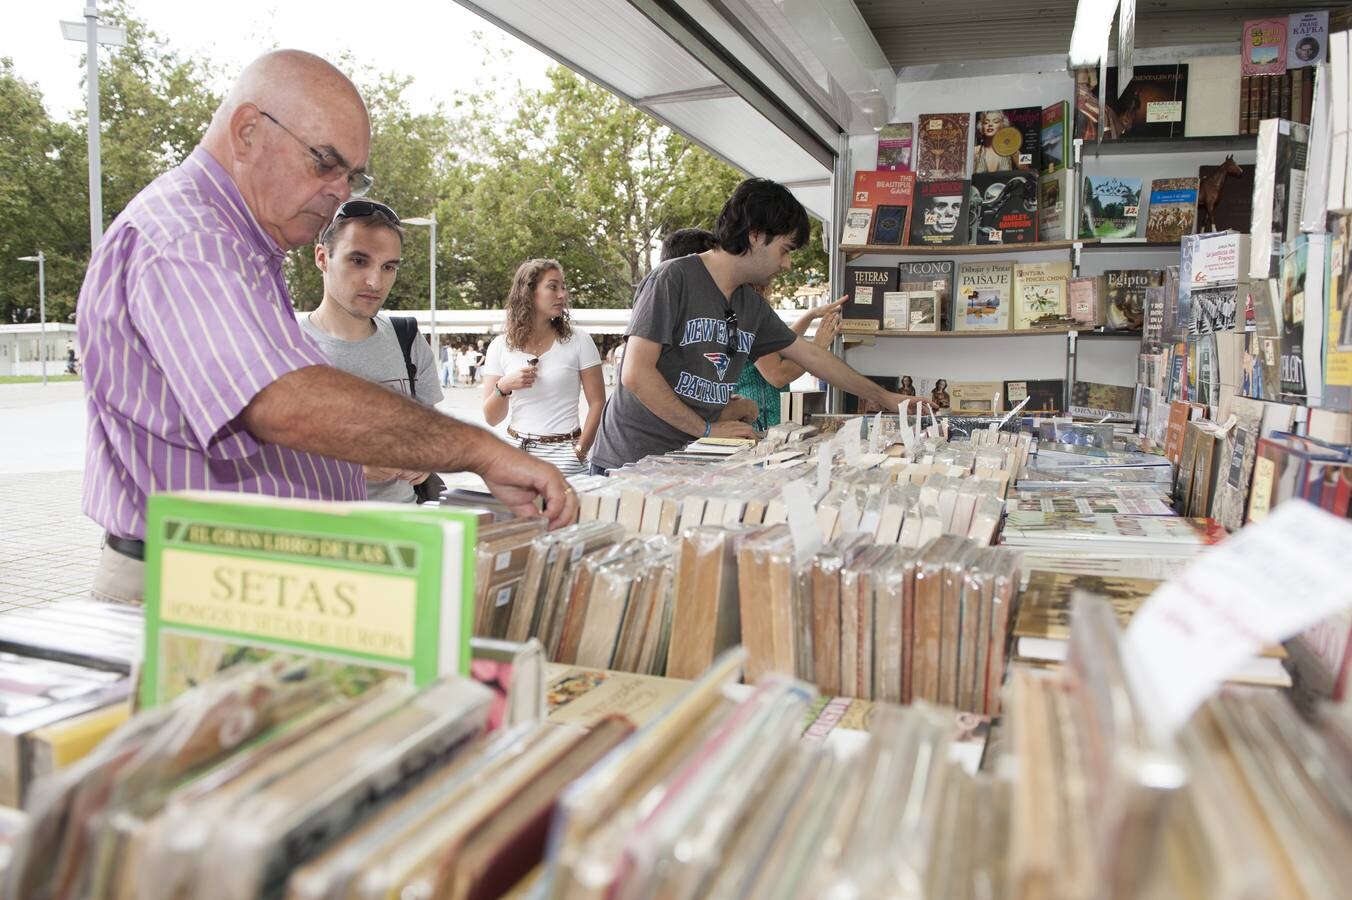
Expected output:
(528, 439)
(126, 546)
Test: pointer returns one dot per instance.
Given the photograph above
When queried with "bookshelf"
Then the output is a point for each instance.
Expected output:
(1223, 143)
(854, 251)
(1025, 332)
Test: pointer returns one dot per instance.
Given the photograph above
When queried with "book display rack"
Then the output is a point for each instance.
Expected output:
(1070, 628)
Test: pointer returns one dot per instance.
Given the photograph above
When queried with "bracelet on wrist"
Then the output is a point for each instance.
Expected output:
(501, 392)
(708, 427)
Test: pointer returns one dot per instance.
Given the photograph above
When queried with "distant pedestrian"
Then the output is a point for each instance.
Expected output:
(536, 371)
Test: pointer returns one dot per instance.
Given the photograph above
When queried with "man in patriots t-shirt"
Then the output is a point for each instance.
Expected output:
(696, 323)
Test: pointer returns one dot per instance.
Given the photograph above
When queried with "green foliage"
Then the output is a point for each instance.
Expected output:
(568, 171)
(43, 202)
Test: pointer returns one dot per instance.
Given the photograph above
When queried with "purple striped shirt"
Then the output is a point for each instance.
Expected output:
(184, 317)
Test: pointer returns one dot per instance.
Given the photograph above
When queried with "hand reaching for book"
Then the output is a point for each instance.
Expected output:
(740, 408)
(828, 329)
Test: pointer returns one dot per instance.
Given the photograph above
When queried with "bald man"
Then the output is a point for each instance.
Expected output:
(197, 372)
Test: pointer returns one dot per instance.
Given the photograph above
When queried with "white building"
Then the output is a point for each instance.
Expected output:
(19, 354)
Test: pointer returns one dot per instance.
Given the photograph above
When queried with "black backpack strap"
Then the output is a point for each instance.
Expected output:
(406, 329)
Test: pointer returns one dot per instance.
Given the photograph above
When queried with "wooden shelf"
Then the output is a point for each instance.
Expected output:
(1128, 246)
(1217, 143)
(852, 251)
(1054, 332)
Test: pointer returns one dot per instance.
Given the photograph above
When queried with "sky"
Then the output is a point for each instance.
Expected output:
(430, 40)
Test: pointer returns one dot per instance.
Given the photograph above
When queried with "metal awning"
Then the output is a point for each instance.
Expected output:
(744, 79)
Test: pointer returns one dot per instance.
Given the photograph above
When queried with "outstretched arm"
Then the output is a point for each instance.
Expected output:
(827, 366)
(311, 409)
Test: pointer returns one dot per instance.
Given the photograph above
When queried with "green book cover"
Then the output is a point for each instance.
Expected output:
(231, 578)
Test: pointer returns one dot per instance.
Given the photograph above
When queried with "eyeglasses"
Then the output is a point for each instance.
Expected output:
(359, 209)
(731, 319)
(328, 165)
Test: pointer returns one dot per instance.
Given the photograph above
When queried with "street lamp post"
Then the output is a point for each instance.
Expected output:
(91, 34)
(431, 223)
(41, 260)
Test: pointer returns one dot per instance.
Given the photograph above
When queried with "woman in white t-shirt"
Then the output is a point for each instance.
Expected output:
(534, 372)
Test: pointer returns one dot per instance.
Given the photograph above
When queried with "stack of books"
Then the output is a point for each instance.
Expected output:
(880, 622)
(65, 684)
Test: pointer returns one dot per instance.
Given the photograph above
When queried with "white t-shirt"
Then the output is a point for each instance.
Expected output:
(550, 405)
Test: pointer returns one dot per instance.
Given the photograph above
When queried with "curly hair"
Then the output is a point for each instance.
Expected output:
(520, 303)
(759, 204)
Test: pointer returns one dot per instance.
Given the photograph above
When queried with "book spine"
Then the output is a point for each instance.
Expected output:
(1274, 109)
(1306, 93)
(1255, 104)
(1297, 90)
(1244, 85)
(1285, 95)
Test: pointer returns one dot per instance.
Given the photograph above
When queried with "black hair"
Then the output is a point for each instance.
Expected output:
(761, 205)
(685, 241)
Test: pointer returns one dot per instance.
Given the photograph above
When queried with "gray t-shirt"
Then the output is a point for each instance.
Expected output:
(679, 306)
(379, 359)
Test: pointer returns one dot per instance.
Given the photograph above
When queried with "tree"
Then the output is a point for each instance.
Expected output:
(154, 108)
(43, 203)
(409, 160)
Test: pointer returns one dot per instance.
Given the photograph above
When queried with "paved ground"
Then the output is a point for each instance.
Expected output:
(48, 549)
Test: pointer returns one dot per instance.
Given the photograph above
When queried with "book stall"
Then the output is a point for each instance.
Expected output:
(1041, 637)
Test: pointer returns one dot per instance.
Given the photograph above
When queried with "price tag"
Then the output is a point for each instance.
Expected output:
(503, 560)
(504, 596)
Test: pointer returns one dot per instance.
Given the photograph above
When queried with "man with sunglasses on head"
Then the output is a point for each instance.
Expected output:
(198, 373)
(696, 322)
(359, 253)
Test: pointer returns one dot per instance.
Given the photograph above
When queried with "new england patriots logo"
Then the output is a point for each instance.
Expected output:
(720, 361)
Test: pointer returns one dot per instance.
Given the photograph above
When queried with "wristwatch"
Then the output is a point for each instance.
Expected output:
(501, 392)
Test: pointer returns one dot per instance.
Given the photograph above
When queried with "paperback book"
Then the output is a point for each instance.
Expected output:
(1054, 224)
(1084, 298)
(1008, 209)
(1055, 137)
(1008, 140)
(984, 296)
(888, 196)
(383, 590)
(1125, 298)
(1111, 207)
(1044, 396)
(858, 224)
(1040, 294)
(1263, 47)
(1153, 104)
(1307, 39)
(894, 147)
(935, 276)
(922, 311)
(942, 213)
(942, 145)
(1173, 209)
(865, 286)
(1107, 402)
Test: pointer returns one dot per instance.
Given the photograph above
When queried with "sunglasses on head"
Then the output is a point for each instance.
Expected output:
(359, 209)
